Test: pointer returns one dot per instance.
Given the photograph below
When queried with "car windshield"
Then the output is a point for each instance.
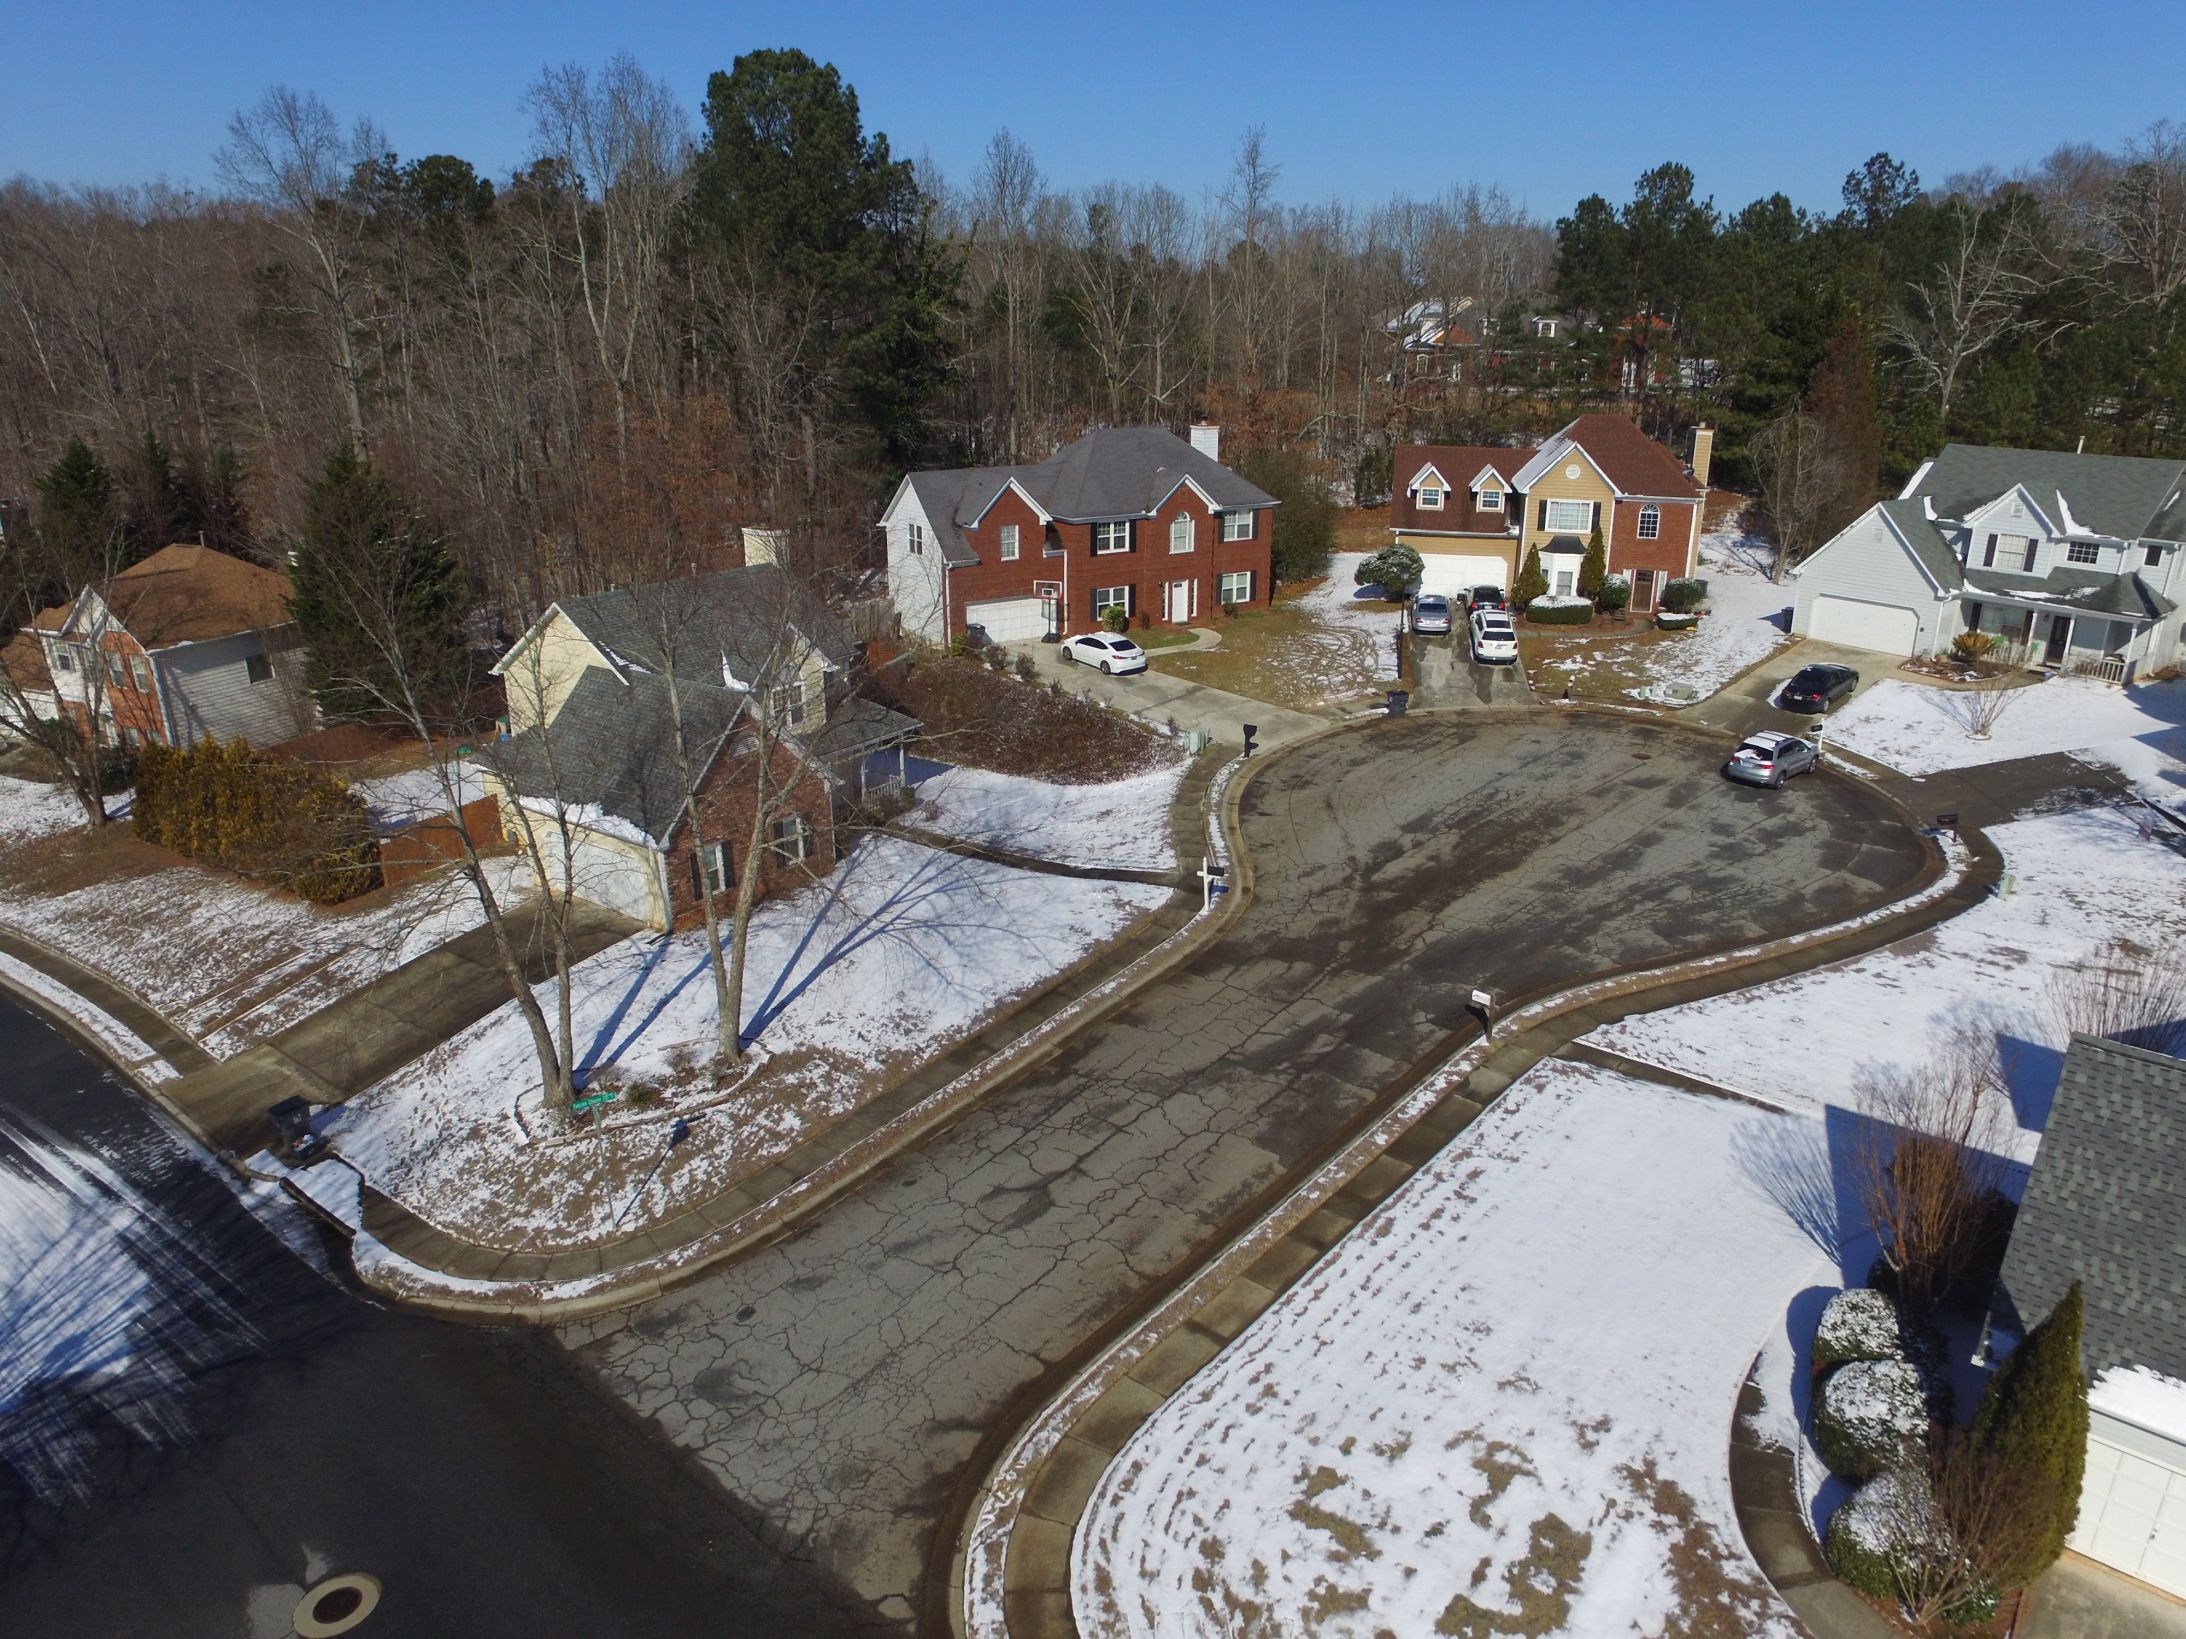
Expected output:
(1812, 678)
(1758, 748)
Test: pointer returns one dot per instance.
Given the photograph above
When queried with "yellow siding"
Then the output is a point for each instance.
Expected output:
(540, 677)
(1588, 486)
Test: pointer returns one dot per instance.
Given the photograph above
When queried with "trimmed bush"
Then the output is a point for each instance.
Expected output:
(1616, 593)
(2034, 1418)
(1560, 611)
(1861, 1324)
(262, 817)
(1883, 1535)
(1866, 1413)
(1684, 595)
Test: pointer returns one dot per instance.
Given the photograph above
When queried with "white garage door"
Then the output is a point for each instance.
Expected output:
(1009, 620)
(616, 878)
(2133, 1515)
(1450, 573)
(1887, 627)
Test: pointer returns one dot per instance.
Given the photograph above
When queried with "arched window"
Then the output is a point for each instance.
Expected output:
(1650, 524)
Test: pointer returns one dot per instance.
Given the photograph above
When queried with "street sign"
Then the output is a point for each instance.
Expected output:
(581, 1105)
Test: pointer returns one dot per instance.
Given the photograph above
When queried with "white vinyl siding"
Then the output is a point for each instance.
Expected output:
(209, 693)
(914, 577)
(1866, 563)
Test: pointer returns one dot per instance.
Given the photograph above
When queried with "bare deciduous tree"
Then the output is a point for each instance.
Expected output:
(1974, 299)
(1955, 1526)
(1802, 477)
(1930, 1156)
(2127, 992)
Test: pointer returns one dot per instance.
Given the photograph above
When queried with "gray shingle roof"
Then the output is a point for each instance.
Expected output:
(735, 614)
(612, 745)
(2084, 590)
(2127, 496)
(1112, 472)
(2106, 1206)
(1927, 541)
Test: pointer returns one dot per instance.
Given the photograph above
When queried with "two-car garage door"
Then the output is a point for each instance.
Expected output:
(1886, 627)
(1010, 620)
(1452, 573)
(2133, 1514)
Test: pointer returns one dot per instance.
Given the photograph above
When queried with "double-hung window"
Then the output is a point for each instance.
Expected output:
(2083, 552)
(1106, 598)
(141, 669)
(915, 535)
(1567, 517)
(1183, 535)
(791, 839)
(1238, 526)
(1112, 535)
(1430, 499)
(1235, 587)
(64, 657)
(1491, 500)
(258, 669)
(117, 670)
(1650, 523)
(712, 862)
(1009, 543)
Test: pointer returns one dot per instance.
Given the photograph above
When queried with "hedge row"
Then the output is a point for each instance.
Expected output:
(263, 817)
(1543, 612)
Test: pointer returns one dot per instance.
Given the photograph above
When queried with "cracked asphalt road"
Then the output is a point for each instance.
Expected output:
(836, 1383)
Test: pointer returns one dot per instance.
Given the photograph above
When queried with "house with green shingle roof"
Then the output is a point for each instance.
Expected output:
(2077, 562)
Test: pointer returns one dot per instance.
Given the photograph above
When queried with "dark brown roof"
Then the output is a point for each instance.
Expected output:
(1631, 460)
(24, 659)
(1457, 463)
(188, 594)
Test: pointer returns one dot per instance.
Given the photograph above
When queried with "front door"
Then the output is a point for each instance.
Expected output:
(1180, 607)
(1643, 591)
(2060, 633)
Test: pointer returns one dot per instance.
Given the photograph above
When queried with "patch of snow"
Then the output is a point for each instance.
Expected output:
(121, 1043)
(588, 816)
(29, 809)
(1920, 730)
(1748, 618)
(418, 794)
(1552, 601)
(1357, 613)
(2077, 882)
(900, 952)
(2143, 1397)
(1491, 1396)
(1119, 824)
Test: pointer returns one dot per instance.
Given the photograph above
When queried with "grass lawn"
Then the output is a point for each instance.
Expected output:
(1318, 645)
(1162, 638)
(1601, 661)
(1362, 529)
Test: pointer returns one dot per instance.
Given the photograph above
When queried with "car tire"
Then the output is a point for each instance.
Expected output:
(1070, 655)
(1107, 670)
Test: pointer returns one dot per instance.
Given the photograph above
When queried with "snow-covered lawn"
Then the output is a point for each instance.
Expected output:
(2078, 881)
(1120, 824)
(1747, 617)
(1917, 729)
(1499, 1406)
(899, 953)
(418, 793)
(1368, 624)
(227, 961)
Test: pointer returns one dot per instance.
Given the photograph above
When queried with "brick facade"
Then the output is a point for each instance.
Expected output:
(131, 702)
(725, 802)
(1061, 554)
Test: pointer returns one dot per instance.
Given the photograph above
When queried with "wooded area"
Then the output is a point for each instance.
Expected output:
(660, 327)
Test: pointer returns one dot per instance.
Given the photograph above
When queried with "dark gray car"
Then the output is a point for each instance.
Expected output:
(1770, 758)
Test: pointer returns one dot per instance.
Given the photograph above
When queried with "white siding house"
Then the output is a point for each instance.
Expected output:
(232, 688)
(917, 577)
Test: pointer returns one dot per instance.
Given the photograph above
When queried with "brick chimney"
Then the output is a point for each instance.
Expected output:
(763, 545)
(1207, 439)
(1703, 453)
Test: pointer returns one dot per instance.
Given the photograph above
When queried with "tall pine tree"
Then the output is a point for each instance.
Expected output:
(2033, 1420)
(77, 516)
(365, 549)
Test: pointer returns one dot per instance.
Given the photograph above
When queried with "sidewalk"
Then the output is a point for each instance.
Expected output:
(1015, 1538)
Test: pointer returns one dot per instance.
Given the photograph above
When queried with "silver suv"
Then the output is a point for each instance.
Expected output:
(1770, 758)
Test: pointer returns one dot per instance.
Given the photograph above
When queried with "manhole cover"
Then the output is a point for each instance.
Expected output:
(336, 1606)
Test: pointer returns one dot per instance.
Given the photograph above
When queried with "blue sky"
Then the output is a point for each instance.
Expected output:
(1359, 102)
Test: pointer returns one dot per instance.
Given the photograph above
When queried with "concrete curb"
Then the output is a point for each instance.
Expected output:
(798, 1197)
(1014, 1538)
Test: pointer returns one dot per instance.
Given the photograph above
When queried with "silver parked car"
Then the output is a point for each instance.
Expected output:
(1431, 614)
(1770, 758)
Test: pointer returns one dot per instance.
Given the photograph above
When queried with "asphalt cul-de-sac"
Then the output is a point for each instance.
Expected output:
(837, 1383)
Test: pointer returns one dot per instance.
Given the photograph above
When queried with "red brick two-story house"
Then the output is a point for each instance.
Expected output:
(1126, 517)
(1473, 514)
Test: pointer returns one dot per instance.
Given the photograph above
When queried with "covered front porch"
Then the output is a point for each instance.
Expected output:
(2071, 641)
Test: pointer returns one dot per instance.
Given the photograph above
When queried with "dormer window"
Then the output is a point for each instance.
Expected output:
(1430, 499)
(1491, 500)
(2083, 552)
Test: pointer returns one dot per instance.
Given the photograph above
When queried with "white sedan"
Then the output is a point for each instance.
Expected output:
(1495, 640)
(1105, 650)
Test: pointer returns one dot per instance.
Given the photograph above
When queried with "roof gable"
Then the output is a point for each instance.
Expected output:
(182, 594)
(2127, 497)
(1633, 463)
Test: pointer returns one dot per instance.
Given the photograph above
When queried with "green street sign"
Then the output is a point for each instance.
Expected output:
(594, 1102)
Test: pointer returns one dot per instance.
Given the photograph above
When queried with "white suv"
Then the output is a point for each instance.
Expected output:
(1495, 639)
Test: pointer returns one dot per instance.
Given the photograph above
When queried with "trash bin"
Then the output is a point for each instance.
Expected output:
(1398, 700)
(292, 1122)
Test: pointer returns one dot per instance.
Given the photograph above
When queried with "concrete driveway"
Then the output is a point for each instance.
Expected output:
(837, 1384)
(1448, 676)
(1743, 705)
(1156, 695)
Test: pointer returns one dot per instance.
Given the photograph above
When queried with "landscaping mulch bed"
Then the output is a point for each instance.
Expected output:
(996, 721)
